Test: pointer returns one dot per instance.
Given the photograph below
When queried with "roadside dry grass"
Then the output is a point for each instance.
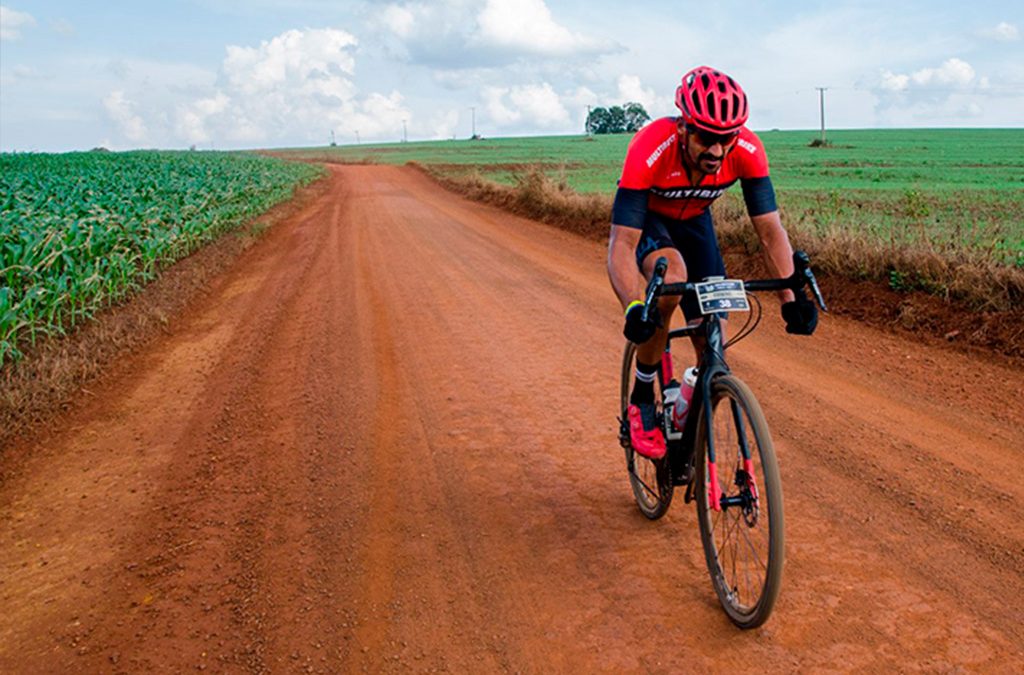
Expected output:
(953, 295)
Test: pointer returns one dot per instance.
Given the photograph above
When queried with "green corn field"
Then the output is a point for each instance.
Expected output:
(81, 230)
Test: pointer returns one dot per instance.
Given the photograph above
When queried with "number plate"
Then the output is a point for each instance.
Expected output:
(723, 295)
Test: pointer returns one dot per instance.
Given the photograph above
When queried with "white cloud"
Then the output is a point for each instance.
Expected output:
(300, 84)
(12, 22)
(498, 112)
(527, 26)
(122, 111)
(443, 125)
(400, 20)
(953, 72)
(296, 87)
(893, 82)
(581, 96)
(944, 93)
(537, 105)
(320, 60)
(468, 34)
(1003, 32)
(190, 124)
(631, 89)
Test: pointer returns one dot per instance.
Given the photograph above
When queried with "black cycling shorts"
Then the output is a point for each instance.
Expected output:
(694, 238)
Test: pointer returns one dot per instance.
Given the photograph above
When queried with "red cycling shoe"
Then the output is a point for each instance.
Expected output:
(644, 434)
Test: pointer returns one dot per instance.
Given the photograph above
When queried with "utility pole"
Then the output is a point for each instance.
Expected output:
(405, 133)
(821, 100)
(333, 142)
(473, 111)
(586, 125)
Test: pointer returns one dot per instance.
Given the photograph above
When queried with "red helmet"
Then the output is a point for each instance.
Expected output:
(711, 100)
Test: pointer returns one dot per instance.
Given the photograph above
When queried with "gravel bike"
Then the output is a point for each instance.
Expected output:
(723, 452)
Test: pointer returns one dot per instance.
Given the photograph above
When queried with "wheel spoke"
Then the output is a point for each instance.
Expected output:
(726, 532)
(743, 551)
(753, 549)
(654, 495)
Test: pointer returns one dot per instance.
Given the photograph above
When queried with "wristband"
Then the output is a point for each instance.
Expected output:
(632, 305)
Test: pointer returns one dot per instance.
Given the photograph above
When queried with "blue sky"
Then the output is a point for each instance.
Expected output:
(268, 73)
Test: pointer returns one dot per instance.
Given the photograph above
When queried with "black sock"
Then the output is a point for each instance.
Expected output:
(643, 385)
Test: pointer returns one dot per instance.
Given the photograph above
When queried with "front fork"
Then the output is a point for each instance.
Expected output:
(713, 366)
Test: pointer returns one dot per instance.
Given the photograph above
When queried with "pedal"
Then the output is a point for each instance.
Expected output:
(623, 433)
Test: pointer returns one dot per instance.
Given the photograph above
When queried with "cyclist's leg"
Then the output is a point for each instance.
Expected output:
(656, 242)
(696, 240)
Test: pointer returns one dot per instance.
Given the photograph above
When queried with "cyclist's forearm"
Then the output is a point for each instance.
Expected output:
(622, 271)
(777, 251)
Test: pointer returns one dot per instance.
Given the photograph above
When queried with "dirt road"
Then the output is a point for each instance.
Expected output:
(385, 441)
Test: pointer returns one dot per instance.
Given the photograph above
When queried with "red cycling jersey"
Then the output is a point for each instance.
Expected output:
(654, 162)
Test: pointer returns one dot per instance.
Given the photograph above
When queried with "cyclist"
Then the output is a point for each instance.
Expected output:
(675, 168)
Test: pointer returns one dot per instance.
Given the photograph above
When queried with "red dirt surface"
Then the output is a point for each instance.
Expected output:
(385, 441)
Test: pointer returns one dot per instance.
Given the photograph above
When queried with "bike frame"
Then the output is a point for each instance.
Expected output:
(712, 364)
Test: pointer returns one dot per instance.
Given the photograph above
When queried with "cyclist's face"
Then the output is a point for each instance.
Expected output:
(704, 150)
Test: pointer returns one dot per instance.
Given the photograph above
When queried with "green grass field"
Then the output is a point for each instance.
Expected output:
(80, 230)
(955, 189)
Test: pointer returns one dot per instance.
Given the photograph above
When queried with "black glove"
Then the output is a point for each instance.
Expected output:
(636, 329)
(801, 315)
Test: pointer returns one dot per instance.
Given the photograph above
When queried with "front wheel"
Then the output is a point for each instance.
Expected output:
(739, 504)
(650, 479)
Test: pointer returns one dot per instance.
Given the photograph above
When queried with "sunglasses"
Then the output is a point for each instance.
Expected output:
(709, 138)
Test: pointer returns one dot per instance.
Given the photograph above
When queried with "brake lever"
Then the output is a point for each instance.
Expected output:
(802, 268)
(815, 289)
(657, 281)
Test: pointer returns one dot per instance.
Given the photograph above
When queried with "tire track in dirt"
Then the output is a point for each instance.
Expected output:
(386, 442)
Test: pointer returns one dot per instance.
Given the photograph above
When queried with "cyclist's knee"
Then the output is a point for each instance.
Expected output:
(667, 304)
(676, 272)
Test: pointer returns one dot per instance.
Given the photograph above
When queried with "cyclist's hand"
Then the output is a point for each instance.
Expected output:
(801, 315)
(636, 329)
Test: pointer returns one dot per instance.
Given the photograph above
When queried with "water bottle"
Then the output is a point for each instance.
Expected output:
(684, 396)
(671, 397)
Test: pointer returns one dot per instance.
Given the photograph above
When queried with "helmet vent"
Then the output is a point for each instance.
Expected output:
(712, 100)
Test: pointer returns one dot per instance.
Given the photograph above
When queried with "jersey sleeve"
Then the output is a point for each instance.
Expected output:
(629, 208)
(759, 195)
(751, 158)
(643, 151)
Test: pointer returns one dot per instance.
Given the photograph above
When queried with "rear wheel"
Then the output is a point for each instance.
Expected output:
(650, 479)
(743, 539)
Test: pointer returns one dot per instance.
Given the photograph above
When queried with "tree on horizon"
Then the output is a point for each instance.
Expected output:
(627, 118)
